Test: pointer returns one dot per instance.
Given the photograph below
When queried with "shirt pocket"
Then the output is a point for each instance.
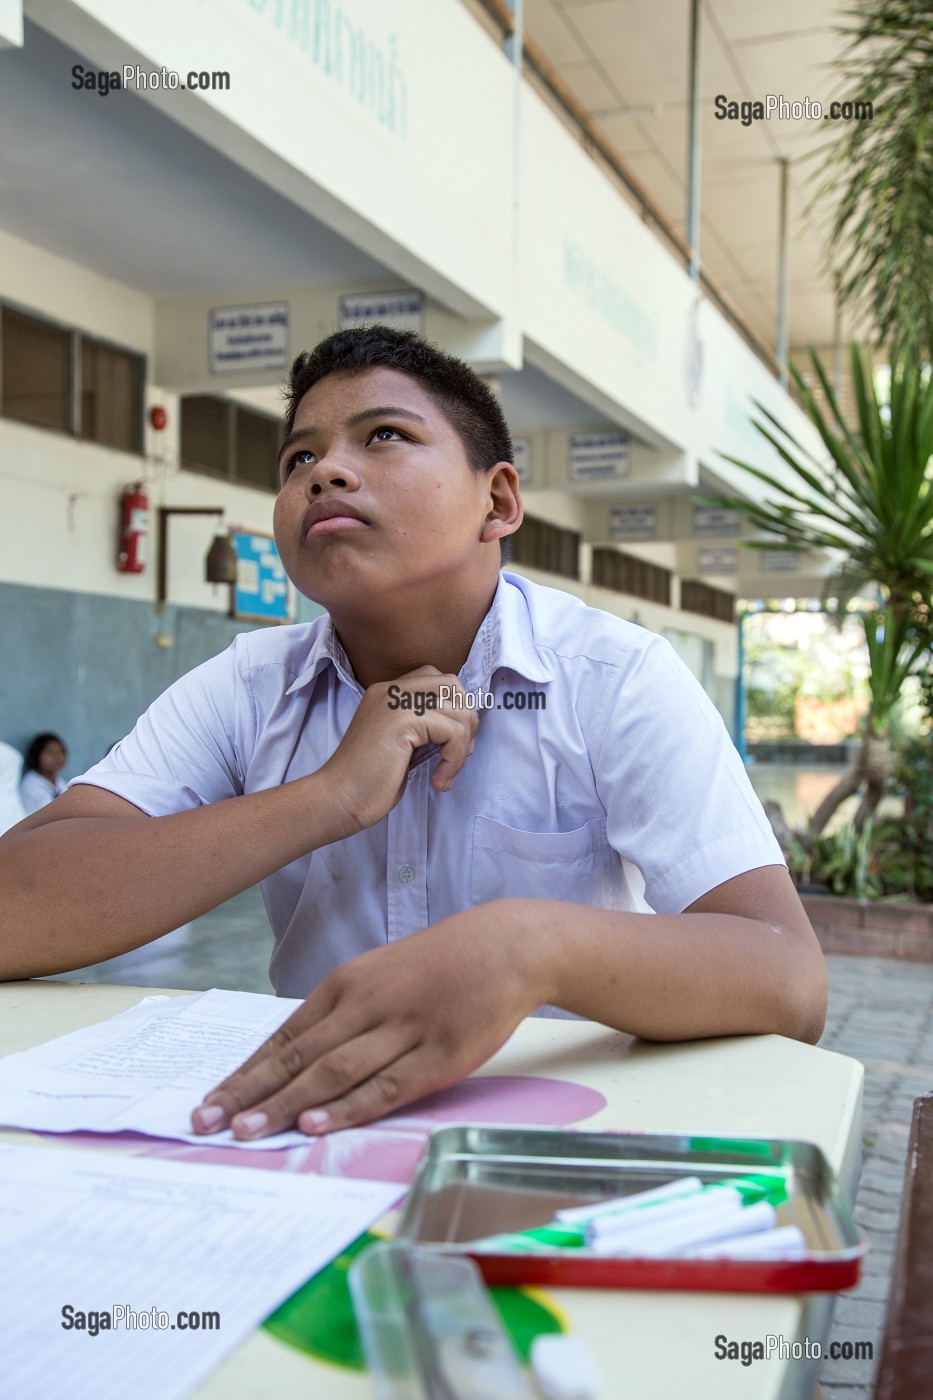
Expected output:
(577, 866)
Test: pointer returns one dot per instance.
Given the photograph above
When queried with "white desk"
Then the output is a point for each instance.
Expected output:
(648, 1344)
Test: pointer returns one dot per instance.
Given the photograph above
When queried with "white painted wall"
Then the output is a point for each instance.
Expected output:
(59, 496)
(425, 183)
(64, 291)
(421, 175)
(602, 305)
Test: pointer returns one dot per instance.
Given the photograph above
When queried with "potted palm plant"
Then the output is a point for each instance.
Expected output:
(870, 500)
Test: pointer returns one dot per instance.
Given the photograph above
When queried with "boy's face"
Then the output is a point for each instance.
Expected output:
(375, 443)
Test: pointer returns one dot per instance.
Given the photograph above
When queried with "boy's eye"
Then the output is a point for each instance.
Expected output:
(295, 461)
(298, 459)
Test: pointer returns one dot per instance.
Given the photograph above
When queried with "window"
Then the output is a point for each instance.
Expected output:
(541, 546)
(205, 434)
(54, 377)
(699, 598)
(623, 573)
(222, 438)
(36, 371)
(256, 449)
(111, 396)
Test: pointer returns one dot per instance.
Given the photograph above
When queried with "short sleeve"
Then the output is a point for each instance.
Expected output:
(678, 800)
(189, 748)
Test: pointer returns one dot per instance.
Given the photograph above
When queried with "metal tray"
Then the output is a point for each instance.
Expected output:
(476, 1180)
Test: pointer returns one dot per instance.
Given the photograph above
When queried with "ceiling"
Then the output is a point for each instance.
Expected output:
(627, 63)
(193, 222)
(142, 200)
(70, 175)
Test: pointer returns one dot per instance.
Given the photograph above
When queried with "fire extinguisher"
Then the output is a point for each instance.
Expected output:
(134, 527)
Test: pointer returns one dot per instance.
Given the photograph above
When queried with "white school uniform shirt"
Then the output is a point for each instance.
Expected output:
(37, 791)
(624, 791)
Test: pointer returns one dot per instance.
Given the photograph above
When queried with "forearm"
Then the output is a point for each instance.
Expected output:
(85, 888)
(674, 976)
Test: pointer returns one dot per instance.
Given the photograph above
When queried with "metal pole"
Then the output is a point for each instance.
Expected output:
(837, 344)
(740, 692)
(514, 51)
(781, 349)
(693, 145)
(513, 44)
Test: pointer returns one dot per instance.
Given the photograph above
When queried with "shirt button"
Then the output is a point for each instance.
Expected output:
(405, 874)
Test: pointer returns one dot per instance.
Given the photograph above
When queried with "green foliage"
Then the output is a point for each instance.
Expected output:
(881, 172)
(903, 853)
(779, 703)
(871, 497)
(842, 860)
(896, 642)
(891, 857)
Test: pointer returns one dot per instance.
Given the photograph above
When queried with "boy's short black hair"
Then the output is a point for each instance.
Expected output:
(469, 405)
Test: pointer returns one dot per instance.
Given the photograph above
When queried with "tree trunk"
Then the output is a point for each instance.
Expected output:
(876, 762)
(871, 772)
(848, 784)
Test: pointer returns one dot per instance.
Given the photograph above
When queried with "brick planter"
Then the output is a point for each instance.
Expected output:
(873, 928)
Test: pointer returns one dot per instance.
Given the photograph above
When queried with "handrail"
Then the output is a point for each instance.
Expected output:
(500, 13)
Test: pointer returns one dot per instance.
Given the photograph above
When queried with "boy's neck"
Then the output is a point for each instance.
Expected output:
(431, 632)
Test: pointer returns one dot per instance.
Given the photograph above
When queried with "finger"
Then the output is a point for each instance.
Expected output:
(330, 1077)
(390, 1088)
(238, 1089)
(455, 749)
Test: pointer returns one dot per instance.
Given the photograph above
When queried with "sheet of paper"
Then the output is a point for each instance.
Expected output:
(143, 1070)
(83, 1234)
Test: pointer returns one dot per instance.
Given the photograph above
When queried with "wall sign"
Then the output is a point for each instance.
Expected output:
(633, 522)
(717, 561)
(248, 337)
(521, 458)
(599, 456)
(778, 561)
(403, 311)
(260, 593)
(716, 520)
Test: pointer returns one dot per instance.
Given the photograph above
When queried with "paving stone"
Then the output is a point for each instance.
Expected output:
(874, 1288)
(880, 1226)
(858, 1313)
(885, 1188)
(850, 1370)
(878, 1261)
(877, 1204)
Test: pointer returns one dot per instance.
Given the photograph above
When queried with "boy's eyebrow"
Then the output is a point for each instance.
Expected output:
(385, 411)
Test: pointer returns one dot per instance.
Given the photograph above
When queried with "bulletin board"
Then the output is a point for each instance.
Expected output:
(260, 593)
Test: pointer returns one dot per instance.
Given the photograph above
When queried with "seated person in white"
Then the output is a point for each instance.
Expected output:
(432, 872)
(45, 758)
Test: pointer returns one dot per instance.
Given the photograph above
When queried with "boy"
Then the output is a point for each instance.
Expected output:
(433, 872)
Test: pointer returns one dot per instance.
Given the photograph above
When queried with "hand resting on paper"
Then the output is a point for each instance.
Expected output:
(382, 1030)
(411, 1017)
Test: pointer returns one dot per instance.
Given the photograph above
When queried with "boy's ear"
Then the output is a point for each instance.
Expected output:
(505, 512)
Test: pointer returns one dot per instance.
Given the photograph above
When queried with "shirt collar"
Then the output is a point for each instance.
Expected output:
(326, 650)
(505, 641)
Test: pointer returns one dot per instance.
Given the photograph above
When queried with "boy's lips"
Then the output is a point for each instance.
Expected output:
(327, 517)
